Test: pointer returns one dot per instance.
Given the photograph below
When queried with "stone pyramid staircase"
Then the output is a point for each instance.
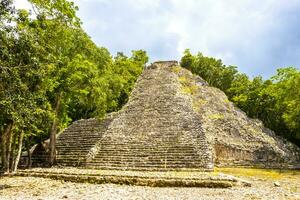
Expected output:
(156, 130)
(74, 144)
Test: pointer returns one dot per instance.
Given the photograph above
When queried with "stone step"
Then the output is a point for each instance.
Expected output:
(75, 150)
(149, 143)
(149, 140)
(146, 151)
(78, 131)
(134, 154)
(86, 125)
(149, 155)
(71, 158)
(75, 138)
(150, 162)
(78, 137)
(137, 157)
(66, 156)
(72, 139)
(69, 141)
(212, 181)
(74, 144)
(145, 155)
(71, 155)
(158, 158)
(130, 162)
(141, 150)
(81, 133)
(137, 147)
(145, 168)
(142, 165)
(64, 143)
(95, 124)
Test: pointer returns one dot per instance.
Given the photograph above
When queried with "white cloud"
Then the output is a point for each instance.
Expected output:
(253, 34)
(22, 4)
(144, 4)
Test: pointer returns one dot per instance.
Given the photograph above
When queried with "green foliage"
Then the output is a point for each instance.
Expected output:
(286, 92)
(58, 10)
(50, 70)
(276, 101)
(212, 70)
(123, 74)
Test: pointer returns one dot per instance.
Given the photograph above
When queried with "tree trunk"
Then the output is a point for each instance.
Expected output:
(29, 158)
(8, 150)
(54, 130)
(3, 149)
(4, 145)
(20, 143)
(53, 141)
(29, 154)
(12, 152)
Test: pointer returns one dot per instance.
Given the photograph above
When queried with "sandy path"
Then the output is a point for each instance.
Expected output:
(30, 188)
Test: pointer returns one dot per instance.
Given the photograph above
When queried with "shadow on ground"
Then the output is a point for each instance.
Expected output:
(3, 187)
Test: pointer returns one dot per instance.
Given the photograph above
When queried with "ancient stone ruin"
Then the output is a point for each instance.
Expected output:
(174, 121)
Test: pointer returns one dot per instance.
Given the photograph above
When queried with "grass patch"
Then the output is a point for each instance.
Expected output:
(176, 69)
(183, 80)
(190, 89)
(198, 103)
(216, 116)
(187, 86)
(272, 174)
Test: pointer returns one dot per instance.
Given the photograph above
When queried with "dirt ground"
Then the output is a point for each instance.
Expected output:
(263, 187)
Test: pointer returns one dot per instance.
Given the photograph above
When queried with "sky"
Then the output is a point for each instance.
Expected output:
(257, 36)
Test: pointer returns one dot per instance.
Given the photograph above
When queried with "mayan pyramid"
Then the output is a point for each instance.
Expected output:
(174, 121)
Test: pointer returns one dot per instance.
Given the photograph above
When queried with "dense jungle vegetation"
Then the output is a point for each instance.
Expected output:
(52, 73)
